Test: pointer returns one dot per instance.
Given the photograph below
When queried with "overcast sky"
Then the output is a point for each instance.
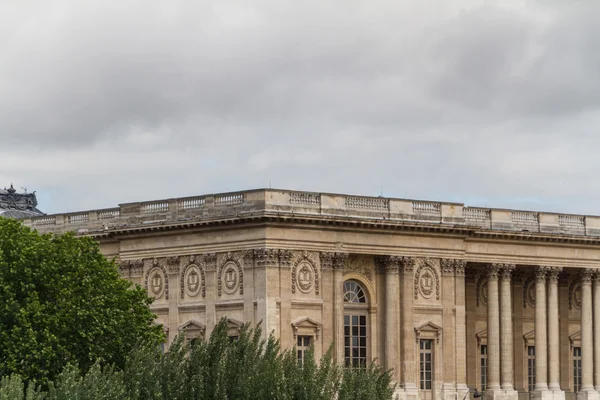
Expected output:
(491, 103)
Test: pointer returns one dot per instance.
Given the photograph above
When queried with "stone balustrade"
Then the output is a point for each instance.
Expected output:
(296, 203)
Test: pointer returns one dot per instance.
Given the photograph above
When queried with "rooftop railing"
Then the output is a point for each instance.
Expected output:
(316, 204)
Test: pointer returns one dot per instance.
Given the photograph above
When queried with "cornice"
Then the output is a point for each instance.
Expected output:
(265, 218)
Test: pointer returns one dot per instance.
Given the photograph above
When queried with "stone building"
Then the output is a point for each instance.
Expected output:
(446, 295)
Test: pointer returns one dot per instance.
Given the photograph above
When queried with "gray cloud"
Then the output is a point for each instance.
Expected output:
(102, 103)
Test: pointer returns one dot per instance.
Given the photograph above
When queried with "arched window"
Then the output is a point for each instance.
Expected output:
(356, 326)
(353, 293)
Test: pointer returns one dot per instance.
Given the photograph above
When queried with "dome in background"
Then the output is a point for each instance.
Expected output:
(18, 205)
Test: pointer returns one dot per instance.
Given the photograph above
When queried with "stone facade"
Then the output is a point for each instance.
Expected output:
(448, 296)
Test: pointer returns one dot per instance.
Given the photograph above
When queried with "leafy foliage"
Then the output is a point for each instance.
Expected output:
(250, 368)
(62, 302)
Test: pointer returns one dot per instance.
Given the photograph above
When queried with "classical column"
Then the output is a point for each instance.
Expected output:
(448, 327)
(461, 325)
(506, 327)
(596, 300)
(553, 340)
(587, 340)
(409, 368)
(541, 344)
(390, 266)
(493, 329)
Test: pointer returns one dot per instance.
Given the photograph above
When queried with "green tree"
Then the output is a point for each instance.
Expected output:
(62, 302)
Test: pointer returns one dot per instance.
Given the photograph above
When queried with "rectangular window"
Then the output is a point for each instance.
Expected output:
(302, 346)
(426, 363)
(355, 340)
(483, 365)
(531, 368)
(576, 369)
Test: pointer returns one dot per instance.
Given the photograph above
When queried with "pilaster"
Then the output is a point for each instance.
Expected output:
(390, 266)
(408, 350)
(448, 326)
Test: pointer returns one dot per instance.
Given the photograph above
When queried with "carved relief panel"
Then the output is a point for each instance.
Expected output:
(193, 275)
(427, 280)
(230, 274)
(361, 264)
(305, 272)
(156, 280)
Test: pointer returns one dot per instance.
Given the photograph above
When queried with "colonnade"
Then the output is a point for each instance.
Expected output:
(500, 377)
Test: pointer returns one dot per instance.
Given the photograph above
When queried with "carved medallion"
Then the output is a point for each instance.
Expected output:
(426, 280)
(230, 278)
(530, 294)
(575, 294)
(193, 281)
(305, 277)
(155, 282)
(481, 294)
(426, 283)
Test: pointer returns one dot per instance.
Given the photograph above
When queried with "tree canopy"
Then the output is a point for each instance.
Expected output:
(62, 302)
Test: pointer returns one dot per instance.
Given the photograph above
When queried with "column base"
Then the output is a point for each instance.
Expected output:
(588, 395)
(500, 394)
(547, 395)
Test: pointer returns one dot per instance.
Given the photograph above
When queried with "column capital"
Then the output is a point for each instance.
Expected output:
(553, 273)
(333, 260)
(266, 257)
(540, 273)
(388, 264)
(407, 265)
(453, 266)
(587, 274)
(492, 271)
(506, 271)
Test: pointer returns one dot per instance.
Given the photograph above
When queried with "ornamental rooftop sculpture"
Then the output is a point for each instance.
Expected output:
(18, 205)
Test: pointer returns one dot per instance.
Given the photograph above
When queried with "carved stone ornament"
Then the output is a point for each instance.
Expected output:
(427, 282)
(529, 292)
(388, 264)
(360, 264)
(575, 293)
(134, 267)
(229, 278)
(173, 265)
(230, 273)
(332, 260)
(506, 271)
(481, 295)
(266, 257)
(193, 281)
(305, 274)
(554, 274)
(156, 283)
(453, 266)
